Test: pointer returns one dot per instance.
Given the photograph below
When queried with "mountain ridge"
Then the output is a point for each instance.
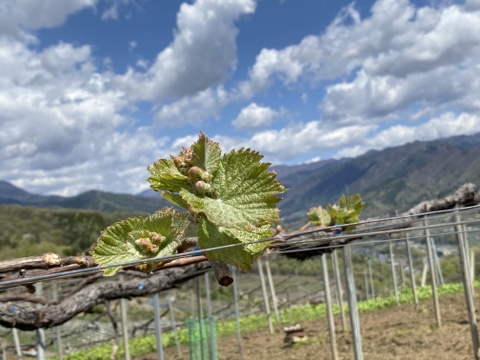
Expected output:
(391, 179)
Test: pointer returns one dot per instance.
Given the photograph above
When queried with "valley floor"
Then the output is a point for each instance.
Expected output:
(399, 332)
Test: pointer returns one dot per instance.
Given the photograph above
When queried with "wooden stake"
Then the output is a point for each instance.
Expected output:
(410, 266)
(467, 287)
(237, 313)
(123, 310)
(328, 301)
(392, 266)
(158, 326)
(431, 266)
(352, 303)
(272, 291)
(265, 296)
(339, 289)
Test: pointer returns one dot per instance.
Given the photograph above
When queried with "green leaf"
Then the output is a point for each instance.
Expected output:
(245, 193)
(165, 176)
(206, 154)
(241, 210)
(235, 193)
(352, 203)
(242, 256)
(320, 217)
(139, 238)
(347, 210)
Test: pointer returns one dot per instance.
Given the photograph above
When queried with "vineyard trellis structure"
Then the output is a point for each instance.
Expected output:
(28, 310)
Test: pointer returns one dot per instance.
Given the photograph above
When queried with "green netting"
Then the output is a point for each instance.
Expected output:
(202, 339)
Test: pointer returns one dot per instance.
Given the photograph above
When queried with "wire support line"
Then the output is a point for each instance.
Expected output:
(366, 242)
(279, 241)
(361, 234)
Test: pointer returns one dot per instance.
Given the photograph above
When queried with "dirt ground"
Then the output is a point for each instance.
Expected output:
(400, 332)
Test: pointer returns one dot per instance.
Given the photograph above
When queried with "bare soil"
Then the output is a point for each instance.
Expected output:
(400, 332)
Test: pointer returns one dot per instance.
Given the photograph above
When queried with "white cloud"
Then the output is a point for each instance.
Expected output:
(111, 13)
(193, 109)
(472, 5)
(62, 124)
(16, 15)
(446, 125)
(203, 52)
(388, 61)
(60, 116)
(254, 117)
(66, 124)
(132, 45)
(280, 146)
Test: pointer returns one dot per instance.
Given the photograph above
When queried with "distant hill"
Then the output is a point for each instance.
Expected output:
(90, 200)
(392, 179)
(396, 178)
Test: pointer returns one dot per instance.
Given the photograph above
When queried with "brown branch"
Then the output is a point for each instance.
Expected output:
(32, 262)
(29, 298)
(26, 316)
(466, 195)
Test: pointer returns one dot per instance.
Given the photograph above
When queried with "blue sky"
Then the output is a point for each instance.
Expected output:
(93, 91)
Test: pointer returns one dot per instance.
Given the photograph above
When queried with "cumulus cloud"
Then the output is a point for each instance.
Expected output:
(61, 121)
(389, 60)
(298, 139)
(18, 15)
(64, 123)
(446, 125)
(203, 51)
(193, 109)
(254, 117)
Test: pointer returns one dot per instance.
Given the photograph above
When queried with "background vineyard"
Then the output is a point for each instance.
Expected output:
(298, 285)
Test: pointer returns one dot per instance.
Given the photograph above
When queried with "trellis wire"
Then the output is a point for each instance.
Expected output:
(458, 231)
(355, 235)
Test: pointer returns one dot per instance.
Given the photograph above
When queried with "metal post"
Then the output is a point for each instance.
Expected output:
(470, 263)
(237, 312)
(328, 300)
(424, 272)
(402, 274)
(170, 300)
(123, 310)
(372, 287)
(272, 290)
(394, 276)
(461, 240)
(4, 352)
(432, 274)
(58, 333)
(213, 354)
(365, 278)
(437, 262)
(472, 267)
(16, 341)
(265, 296)
(352, 303)
(200, 316)
(338, 288)
(410, 266)
(158, 326)
(41, 355)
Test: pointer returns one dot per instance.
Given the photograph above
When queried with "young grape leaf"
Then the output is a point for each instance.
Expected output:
(231, 197)
(242, 256)
(165, 176)
(320, 217)
(347, 210)
(139, 238)
(206, 154)
(245, 193)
